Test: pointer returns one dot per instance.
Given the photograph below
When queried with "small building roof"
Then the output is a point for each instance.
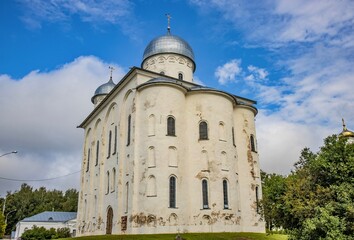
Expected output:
(51, 217)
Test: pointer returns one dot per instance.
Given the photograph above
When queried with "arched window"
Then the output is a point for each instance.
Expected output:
(109, 144)
(172, 157)
(180, 76)
(129, 125)
(151, 125)
(151, 157)
(253, 145)
(171, 126)
(205, 194)
(172, 192)
(205, 160)
(97, 152)
(203, 131)
(224, 160)
(225, 193)
(151, 186)
(88, 160)
(222, 131)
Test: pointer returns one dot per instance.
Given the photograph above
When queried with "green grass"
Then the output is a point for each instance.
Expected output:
(191, 236)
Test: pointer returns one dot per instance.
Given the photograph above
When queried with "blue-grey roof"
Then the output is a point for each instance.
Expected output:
(51, 217)
(162, 79)
(168, 44)
(104, 89)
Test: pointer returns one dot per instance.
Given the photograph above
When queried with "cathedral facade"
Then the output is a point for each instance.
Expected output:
(163, 154)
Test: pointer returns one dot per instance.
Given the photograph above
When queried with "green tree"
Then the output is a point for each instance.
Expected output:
(319, 197)
(28, 202)
(273, 188)
(2, 225)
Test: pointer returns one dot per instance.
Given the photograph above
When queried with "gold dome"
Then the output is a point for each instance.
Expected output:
(346, 132)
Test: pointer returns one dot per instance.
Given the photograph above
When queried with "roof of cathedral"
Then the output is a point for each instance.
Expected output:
(168, 44)
(195, 87)
(346, 132)
(189, 86)
(104, 89)
(51, 217)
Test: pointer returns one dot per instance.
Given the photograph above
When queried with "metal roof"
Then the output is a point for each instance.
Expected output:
(168, 44)
(51, 217)
(104, 89)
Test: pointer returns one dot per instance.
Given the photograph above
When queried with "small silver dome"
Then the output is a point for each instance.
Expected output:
(104, 89)
(168, 44)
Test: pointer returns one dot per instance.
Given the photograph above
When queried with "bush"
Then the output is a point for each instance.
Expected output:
(41, 233)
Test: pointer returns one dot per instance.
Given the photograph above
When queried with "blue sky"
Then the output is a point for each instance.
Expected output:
(295, 58)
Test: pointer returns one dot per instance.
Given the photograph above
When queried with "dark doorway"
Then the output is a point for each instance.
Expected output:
(109, 220)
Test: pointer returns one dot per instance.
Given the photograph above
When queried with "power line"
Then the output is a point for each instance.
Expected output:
(37, 180)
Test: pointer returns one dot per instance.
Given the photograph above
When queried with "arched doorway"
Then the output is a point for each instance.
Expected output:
(109, 220)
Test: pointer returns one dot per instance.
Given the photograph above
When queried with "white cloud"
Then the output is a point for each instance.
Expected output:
(39, 118)
(259, 73)
(280, 141)
(311, 20)
(198, 81)
(281, 21)
(307, 103)
(228, 72)
(117, 12)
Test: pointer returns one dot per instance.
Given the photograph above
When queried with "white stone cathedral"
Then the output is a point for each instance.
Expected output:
(163, 154)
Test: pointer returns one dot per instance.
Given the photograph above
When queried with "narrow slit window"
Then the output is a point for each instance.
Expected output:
(113, 184)
(126, 197)
(226, 197)
(97, 152)
(257, 199)
(109, 144)
(129, 126)
(253, 144)
(88, 160)
(233, 137)
(115, 139)
(107, 179)
(205, 194)
(172, 192)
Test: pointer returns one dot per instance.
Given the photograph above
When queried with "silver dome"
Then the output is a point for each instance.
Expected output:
(168, 44)
(104, 89)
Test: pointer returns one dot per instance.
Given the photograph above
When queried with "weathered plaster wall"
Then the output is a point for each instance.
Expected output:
(151, 158)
